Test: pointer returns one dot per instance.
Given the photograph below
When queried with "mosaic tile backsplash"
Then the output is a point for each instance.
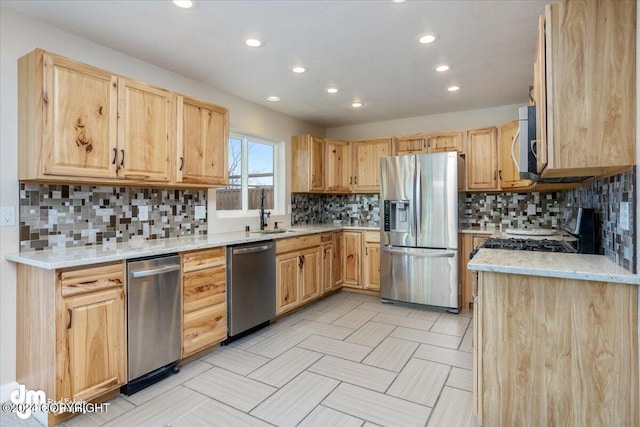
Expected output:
(606, 196)
(63, 216)
(516, 210)
(349, 209)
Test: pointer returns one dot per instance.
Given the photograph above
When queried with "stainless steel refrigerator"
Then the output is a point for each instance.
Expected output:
(419, 229)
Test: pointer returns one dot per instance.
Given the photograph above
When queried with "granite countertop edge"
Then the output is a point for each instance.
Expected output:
(597, 268)
(86, 255)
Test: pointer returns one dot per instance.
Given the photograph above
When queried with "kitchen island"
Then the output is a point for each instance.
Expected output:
(555, 340)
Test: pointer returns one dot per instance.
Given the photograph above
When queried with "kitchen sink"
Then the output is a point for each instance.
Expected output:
(274, 231)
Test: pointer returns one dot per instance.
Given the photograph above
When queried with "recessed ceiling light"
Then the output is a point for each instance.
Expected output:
(453, 88)
(399, 1)
(443, 67)
(332, 90)
(184, 4)
(427, 38)
(298, 70)
(253, 42)
(357, 104)
(273, 98)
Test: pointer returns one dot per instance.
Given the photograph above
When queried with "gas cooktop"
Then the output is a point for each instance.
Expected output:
(541, 245)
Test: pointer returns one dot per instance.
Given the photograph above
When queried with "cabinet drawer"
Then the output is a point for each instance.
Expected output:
(297, 243)
(326, 237)
(192, 261)
(204, 288)
(82, 280)
(372, 236)
(203, 328)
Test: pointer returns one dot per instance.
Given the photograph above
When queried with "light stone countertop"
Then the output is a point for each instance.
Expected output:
(86, 255)
(552, 264)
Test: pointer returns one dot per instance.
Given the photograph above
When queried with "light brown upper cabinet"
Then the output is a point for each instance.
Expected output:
(202, 138)
(508, 173)
(145, 125)
(67, 113)
(366, 163)
(585, 68)
(337, 165)
(410, 144)
(307, 164)
(81, 124)
(482, 159)
(445, 141)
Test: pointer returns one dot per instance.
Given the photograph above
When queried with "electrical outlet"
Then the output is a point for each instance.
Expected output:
(7, 216)
(201, 212)
(624, 216)
(143, 213)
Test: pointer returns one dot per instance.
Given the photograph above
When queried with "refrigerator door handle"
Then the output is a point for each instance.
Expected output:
(424, 254)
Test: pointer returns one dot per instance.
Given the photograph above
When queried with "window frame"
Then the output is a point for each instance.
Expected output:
(278, 177)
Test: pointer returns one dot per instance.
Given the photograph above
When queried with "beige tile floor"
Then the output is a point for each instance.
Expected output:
(347, 360)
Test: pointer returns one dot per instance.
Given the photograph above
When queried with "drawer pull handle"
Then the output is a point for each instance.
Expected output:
(70, 318)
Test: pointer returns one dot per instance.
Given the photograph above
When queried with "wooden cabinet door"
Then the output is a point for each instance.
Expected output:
(307, 164)
(508, 173)
(311, 279)
(482, 159)
(80, 119)
(337, 165)
(317, 164)
(287, 274)
(445, 141)
(92, 350)
(351, 262)
(337, 259)
(366, 163)
(371, 266)
(202, 141)
(327, 266)
(540, 96)
(145, 137)
(410, 144)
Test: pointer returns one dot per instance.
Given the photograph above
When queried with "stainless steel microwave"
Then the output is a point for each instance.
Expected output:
(528, 150)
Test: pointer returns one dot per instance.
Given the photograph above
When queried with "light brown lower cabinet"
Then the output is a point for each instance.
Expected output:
(336, 248)
(555, 352)
(298, 271)
(70, 336)
(204, 299)
(468, 279)
(371, 261)
(352, 247)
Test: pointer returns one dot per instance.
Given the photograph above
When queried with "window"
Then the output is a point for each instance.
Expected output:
(252, 166)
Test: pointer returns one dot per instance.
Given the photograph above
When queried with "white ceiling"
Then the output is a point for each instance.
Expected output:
(368, 49)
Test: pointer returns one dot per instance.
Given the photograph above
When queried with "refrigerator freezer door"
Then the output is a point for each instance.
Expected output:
(397, 190)
(436, 201)
(420, 276)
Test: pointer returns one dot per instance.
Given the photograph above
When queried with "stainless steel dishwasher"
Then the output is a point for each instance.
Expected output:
(153, 320)
(251, 287)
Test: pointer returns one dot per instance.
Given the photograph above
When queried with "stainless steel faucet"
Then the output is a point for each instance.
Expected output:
(263, 220)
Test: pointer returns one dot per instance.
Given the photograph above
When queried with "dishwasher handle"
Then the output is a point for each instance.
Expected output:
(442, 254)
(252, 249)
(155, 271)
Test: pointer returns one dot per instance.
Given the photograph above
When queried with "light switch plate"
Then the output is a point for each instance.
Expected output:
(201, 212)
(143, 213)
(624, 216)
(7, 216)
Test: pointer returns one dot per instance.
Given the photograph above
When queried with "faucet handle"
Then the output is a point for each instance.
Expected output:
(268, 214)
